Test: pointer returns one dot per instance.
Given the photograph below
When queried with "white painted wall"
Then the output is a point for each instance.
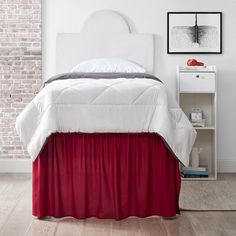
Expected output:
(149, 16)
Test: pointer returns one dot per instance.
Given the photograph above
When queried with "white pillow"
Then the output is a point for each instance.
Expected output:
(108, 65)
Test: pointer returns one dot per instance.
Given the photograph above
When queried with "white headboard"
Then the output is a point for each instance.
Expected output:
(106, 34)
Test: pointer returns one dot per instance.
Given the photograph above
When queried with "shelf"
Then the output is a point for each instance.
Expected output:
(195, 179)
(196, 90)
(200, 92)
(205, 128)
(205, 69)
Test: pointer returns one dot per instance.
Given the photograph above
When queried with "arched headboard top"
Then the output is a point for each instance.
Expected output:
(106, 21)
(106, 34)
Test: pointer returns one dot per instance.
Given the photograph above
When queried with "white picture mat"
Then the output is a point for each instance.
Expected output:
(189, 20)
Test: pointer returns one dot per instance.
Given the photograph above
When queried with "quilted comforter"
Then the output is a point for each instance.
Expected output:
(105, 103)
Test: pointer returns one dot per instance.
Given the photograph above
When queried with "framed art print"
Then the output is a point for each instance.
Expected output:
(194, 32)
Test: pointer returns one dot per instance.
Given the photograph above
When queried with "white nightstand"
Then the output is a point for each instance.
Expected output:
(197, 89)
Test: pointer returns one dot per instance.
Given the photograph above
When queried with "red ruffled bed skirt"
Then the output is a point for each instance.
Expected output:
(105, 176)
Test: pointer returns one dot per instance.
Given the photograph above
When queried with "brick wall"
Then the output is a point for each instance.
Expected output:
(20, 67)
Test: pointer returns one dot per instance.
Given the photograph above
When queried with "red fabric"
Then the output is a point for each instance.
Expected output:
(105, 176)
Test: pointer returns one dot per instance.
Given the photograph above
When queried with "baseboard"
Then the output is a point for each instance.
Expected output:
(15, 165)
(25, 165)
(227, 165)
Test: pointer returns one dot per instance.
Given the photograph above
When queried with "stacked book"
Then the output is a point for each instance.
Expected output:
(191, 172)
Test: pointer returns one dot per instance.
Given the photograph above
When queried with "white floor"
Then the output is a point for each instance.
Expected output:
(16, 218)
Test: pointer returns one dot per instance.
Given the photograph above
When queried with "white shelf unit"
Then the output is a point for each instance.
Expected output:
(197, 89)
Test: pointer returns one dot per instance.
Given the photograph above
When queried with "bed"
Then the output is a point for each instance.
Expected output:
(108, 143)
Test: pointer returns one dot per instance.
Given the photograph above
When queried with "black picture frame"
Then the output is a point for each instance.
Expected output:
(169, 51)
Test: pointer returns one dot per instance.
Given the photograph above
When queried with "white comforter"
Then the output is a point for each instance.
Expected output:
(105, 105)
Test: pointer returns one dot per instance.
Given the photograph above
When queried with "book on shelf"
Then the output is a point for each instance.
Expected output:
(190, 172)
(195, 172)
(195, 176)
(195, 168)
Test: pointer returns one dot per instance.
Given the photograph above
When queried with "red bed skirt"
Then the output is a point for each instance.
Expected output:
(105, 176)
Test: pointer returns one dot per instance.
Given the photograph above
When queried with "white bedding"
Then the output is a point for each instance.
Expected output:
(105, 105)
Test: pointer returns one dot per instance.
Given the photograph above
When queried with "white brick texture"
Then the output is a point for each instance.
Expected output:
(20, 67)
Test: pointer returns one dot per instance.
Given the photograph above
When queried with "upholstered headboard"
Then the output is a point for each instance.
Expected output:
(106, 34)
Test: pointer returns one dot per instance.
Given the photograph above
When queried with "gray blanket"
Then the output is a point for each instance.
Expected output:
(76, 75)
